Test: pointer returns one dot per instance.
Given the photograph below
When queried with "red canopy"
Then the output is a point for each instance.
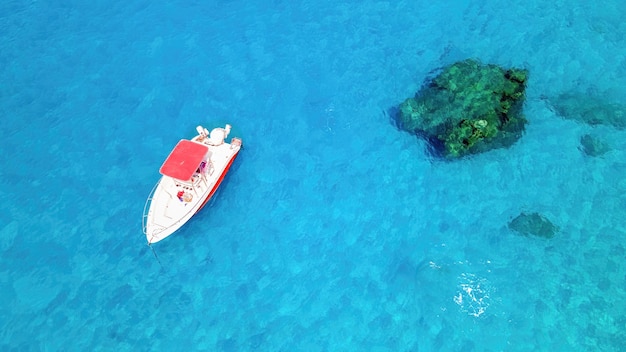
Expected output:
(184, 160)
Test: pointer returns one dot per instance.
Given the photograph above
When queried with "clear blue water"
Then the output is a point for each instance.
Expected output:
(334, 230)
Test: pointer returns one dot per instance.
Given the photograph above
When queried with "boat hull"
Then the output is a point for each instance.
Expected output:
(219, 182)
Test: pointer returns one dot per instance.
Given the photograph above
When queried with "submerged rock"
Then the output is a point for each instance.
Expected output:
(593, 146)
(589, 109)
(468, 108)
(533, 224)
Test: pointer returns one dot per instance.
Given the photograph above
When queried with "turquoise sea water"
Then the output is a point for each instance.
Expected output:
(334, 230)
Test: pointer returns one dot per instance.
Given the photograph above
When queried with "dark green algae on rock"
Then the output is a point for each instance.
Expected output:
(468, 108)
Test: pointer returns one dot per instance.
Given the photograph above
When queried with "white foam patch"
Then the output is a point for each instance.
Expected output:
(473, 296)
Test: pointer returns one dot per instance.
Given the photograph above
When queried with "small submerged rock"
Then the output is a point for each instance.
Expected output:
(533, 224)
(593, 146)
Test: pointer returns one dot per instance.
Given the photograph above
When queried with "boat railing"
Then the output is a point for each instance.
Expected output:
(146, 208)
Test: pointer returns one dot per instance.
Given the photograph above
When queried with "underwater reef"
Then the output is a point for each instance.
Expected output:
(589, 109)
(468, 108)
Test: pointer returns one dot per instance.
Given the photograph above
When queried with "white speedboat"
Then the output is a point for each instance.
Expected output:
(190, 176)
